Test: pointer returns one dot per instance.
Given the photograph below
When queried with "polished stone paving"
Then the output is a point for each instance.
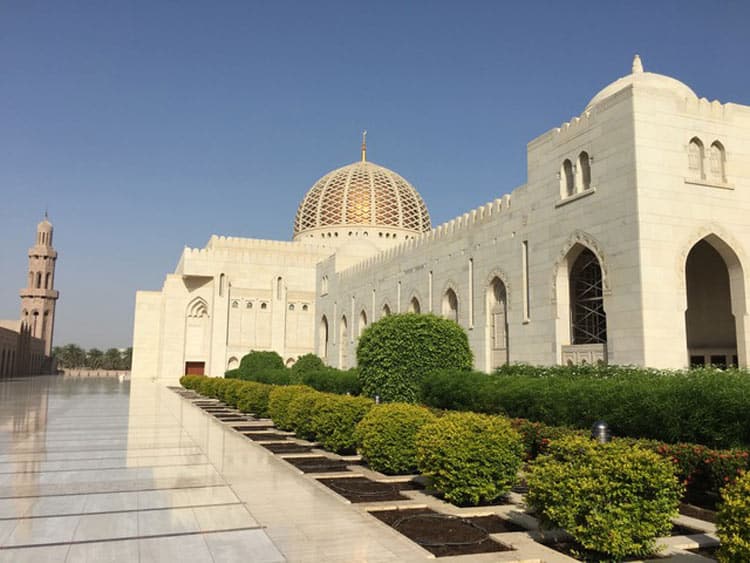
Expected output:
(102, 470)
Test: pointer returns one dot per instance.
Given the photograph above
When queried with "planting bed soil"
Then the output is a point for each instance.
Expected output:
(361, 489)
(261, 436)
(698, 512)
(288, 448)
(253, 427)
(320, 464)
(443, 535)
(231, 418)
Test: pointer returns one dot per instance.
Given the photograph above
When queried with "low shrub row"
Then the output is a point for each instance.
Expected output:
(614, 499)
(268, 367)
(702, 406)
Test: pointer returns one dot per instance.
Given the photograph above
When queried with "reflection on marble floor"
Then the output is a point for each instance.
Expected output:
(89, 472)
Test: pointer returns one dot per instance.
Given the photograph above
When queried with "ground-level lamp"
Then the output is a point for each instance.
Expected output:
(600, 432)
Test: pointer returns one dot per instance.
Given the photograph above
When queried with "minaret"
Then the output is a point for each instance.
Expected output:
(39, 297)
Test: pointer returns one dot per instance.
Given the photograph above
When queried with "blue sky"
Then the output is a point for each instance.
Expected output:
(145, 126)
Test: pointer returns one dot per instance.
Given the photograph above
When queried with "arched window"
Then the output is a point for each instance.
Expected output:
(48, 278)
(567, 182)
(249, 305)
(583, 172)
(450, 305)
(323, 338)
(222, 280)
(497, 320)
(197, 308)
(414, 306)
(343, 344)
(386, 311)
(233, 363)
(362, 322)
(291, 306)
(718, 160)
(279, 287)
(588, 319)
(235, 304)
(39, 280)
(31, 279)
(264, 306)
(324, 285)
(695, 158)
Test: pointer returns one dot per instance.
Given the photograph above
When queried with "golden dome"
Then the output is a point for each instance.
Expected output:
(362, 194)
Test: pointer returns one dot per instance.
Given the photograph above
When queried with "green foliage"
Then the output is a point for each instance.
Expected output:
(229, 391)
(256, 361)
(334, 418)
(471, 458)
(278, 404)
(702, 406)
(332, 380)
(191, 381)
(301, 412)
(613, 499)
(232, 373)
(252, 397)
(386, 436)
(397, 352)
(733, 521)
(306, 364)
(272, 376)
(537, 436)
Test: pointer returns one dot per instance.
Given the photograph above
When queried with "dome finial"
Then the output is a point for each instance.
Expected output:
(364, 145)
(637, 64)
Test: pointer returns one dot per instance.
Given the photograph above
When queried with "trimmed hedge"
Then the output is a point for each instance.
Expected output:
(306, 364)
(471, 458)
(332, 380)
(301, 413)
(253, 398)
(702, 406)
(397, 352)
(386, 436)
(334, 418)
(613, 499)
(733, 521)
(278, 404)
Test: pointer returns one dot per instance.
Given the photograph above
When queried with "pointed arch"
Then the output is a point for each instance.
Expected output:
(497, 324)
(414, 305)
(362, 321)
(450, 304)
(567, 181)
(717, 156)
(583, 172)
(197, 308)
(323, 338)
(695, 158)
(385, 311)
(343, 343)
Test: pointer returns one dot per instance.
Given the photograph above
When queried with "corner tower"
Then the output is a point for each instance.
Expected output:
(39, 297)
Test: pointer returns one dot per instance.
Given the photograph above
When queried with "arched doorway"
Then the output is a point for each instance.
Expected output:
(713, 280)
(343, 344)
(582, 319)
(497, 324)
(450, 305)
(323, 338)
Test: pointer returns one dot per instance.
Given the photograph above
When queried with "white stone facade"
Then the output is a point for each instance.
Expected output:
(628, 244)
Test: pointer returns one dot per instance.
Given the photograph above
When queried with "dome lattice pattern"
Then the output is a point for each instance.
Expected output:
(363, 194)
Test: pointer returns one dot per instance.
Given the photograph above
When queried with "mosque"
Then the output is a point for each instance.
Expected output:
(627, 245)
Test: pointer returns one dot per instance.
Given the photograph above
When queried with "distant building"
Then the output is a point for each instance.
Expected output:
(628, 244)
(26, 344)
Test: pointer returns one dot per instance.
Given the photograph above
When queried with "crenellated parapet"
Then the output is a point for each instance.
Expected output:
(455, 228)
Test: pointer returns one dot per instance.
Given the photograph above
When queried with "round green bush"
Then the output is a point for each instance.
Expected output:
(397, 352)
(471, 458)
(733, 521)
(278, 404)
(613, 499)
(301, 411)
(386, 436)
(253, 398)
(334, 419)
(256, 361)
(305, 364)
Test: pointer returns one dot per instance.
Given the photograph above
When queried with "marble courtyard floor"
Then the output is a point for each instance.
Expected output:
(102, 470)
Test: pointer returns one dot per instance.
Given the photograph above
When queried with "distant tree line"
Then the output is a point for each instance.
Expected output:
(73, 356)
